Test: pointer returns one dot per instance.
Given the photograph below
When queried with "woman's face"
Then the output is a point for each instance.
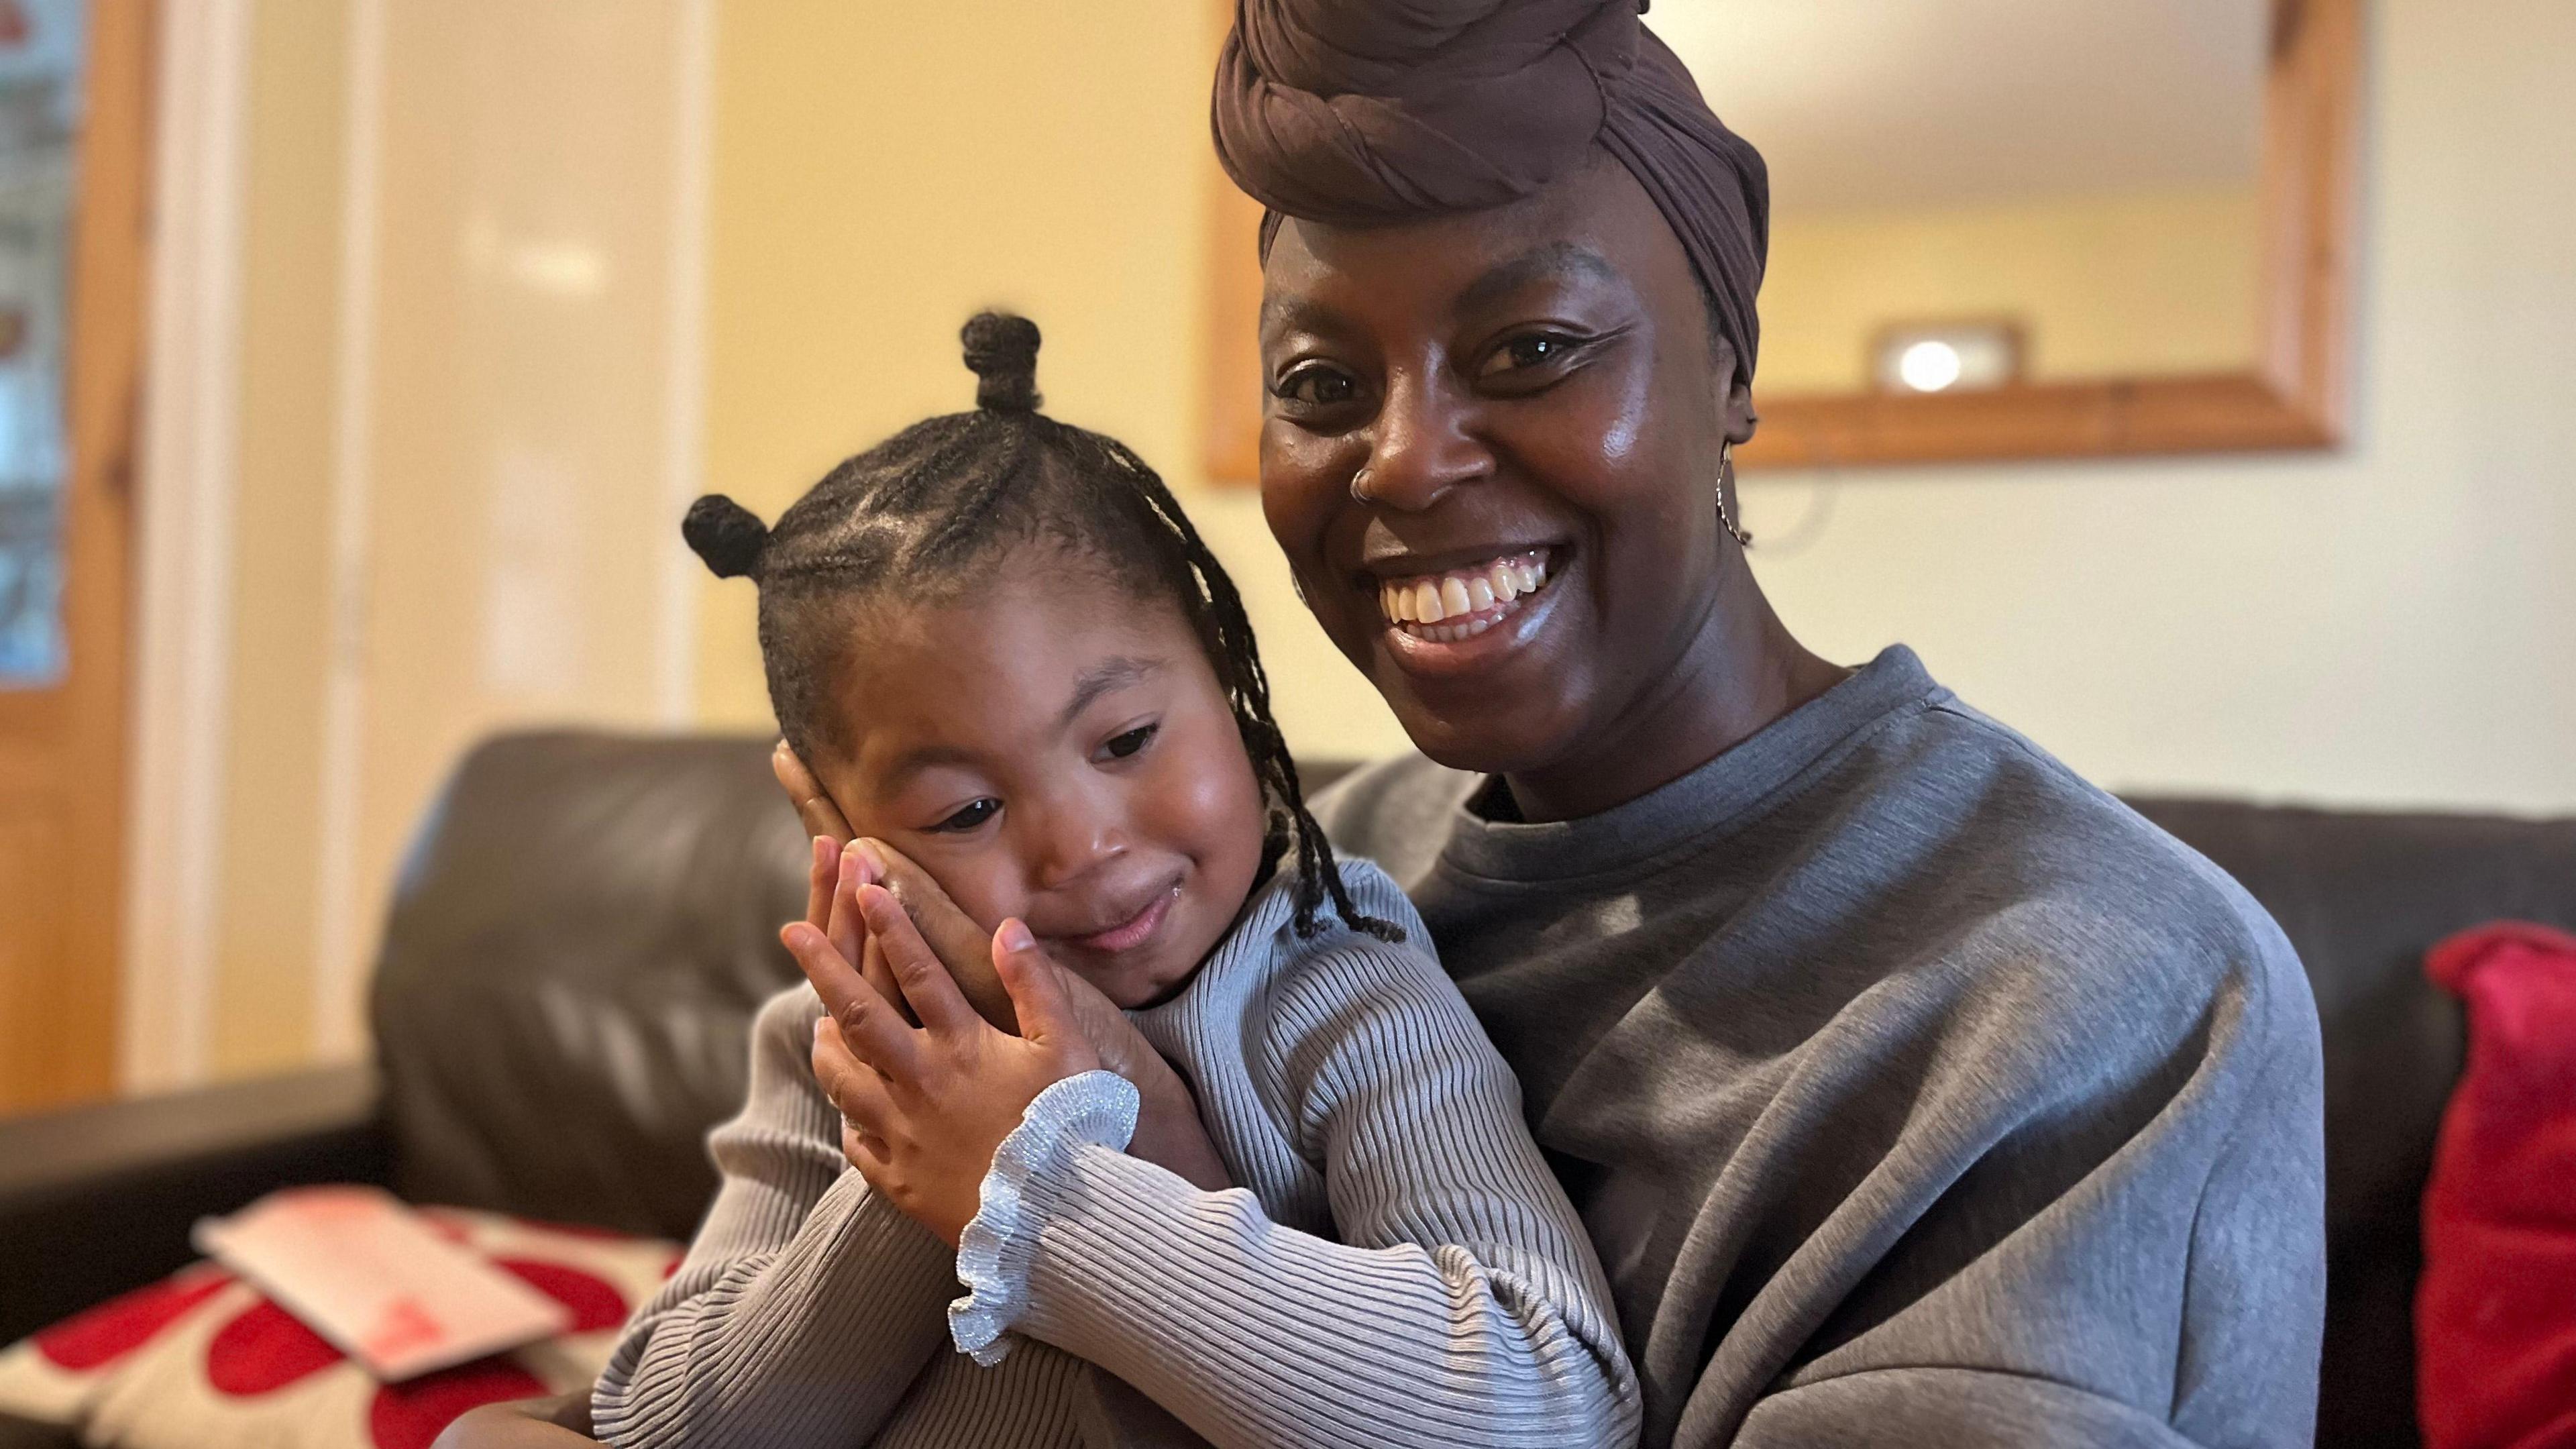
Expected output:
(1490, 451)
(1050, 747)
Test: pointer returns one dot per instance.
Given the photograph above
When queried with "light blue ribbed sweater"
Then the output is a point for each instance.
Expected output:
(1398, 1267)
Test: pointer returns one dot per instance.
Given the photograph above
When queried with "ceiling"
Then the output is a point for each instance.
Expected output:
(1860, 103)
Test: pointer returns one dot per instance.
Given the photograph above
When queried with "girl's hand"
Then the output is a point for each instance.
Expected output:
(842, 863)
(925, 1107)
(813, 805)
(1168, 1131)
(831, 906)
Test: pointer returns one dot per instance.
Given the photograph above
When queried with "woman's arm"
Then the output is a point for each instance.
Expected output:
(562, 1422)
(805, 1297)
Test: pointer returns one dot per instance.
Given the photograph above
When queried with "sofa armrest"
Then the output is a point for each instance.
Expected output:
(96, 1200)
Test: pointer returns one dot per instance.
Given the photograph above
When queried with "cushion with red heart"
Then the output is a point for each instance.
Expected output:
(200, 1360)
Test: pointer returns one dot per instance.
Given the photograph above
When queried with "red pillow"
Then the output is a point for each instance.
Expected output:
(201, 1361)
(2495, 1316)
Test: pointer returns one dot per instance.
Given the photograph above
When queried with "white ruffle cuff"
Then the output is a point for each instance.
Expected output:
(1096, 1108)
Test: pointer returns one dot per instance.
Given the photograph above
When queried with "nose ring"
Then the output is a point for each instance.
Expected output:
(1359, 486)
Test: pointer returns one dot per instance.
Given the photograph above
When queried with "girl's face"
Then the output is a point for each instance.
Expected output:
(1514, 415)
(1055, 748)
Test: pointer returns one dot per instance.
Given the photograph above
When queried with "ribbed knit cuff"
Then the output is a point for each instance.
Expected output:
(1095, 1108)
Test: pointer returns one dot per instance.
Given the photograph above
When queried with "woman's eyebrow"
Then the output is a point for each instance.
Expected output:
(1296, 314)
(1552, 262)
(1115, 672)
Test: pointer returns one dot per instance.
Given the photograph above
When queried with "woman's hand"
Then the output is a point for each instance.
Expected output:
(831, 906)
(925, 1107)
(562, 1422)
(1168, 1131)
(841, 863)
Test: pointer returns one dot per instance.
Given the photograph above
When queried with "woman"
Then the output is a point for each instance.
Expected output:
(1913, 1090)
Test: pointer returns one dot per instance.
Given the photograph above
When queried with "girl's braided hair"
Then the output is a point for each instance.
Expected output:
(924, 508)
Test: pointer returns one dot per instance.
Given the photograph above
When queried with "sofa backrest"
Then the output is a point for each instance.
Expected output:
(578, 939)
(587, 922)
(2362, 895)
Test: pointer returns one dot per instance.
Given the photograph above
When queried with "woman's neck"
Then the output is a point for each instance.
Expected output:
(1741, 671)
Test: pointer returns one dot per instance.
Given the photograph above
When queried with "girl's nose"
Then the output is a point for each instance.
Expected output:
(1075, 836)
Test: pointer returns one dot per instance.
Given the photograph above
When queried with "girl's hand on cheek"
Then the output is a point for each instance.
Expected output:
(813, 804)
(1169, 1133)
(926, 1107)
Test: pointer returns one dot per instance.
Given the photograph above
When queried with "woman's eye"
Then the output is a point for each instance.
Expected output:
(1122, 746)
(968, 817)
(1530, 349)
(1318, 387)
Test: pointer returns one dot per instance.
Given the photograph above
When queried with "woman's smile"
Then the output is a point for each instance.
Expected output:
(1458, 617)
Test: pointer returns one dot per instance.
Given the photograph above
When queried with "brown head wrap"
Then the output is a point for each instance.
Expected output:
(1361, 111)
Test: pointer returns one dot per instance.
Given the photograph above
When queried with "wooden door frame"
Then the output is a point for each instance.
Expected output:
(64, 1047)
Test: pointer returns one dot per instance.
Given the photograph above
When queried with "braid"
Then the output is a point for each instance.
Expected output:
(1319, 876)
(924, 507)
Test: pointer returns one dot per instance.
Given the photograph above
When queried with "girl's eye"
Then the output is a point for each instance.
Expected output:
(1318, 386)
(1529, 350)
(1123, 746)
(971, 815)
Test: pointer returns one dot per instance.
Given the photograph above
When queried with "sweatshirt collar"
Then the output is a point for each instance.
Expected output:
(1708, 801)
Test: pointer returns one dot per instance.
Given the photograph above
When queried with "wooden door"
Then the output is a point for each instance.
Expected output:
(62, 703)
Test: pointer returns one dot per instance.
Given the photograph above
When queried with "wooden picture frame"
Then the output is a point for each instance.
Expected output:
(2296, 395)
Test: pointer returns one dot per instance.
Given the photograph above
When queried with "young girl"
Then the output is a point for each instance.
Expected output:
(1005, 654)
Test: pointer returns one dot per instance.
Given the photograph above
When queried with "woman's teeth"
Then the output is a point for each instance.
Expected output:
(1463, 603)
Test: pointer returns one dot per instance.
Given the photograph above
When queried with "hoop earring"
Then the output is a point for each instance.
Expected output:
(1726, 475)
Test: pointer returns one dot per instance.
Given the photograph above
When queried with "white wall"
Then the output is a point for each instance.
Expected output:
(2391, 624)
(2394, 623)
(466, 376)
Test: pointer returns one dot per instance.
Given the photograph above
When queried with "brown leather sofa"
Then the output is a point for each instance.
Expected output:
(586, 922)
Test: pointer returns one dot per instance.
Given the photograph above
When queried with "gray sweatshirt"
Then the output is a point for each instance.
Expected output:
(1398, 1268)
(1913, 1090)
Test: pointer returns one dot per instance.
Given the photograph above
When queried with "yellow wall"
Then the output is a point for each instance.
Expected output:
(2103, 285)
(882, 171)
(2390, 623)
(2385, 623)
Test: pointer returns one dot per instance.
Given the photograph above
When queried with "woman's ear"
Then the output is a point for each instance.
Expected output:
(1735, 398)
(1741, 419)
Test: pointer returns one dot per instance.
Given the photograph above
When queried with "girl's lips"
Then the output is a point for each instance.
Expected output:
(1134, 932)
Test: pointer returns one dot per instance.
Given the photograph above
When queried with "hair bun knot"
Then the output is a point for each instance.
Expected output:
(1002, 352)
(725, 534)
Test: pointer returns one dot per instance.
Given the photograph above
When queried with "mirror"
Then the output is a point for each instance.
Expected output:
(2006, 228)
